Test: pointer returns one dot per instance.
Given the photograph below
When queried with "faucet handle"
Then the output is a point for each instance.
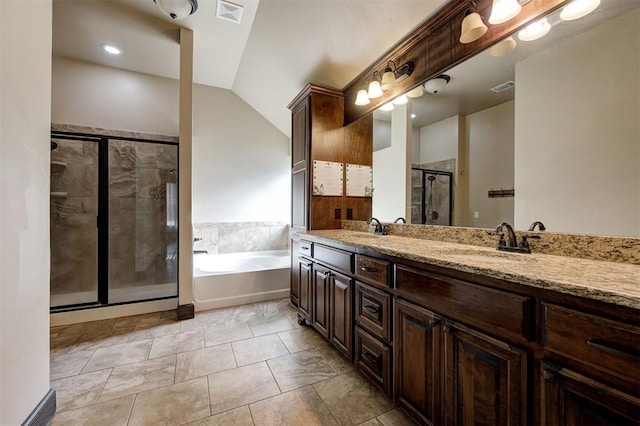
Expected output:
(524, 243)
(501, 240)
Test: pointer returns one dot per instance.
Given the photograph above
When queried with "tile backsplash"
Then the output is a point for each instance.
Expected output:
(582, 246)
(235, 237)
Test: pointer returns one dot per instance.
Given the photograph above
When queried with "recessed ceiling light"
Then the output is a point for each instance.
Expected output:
(112, 50)
(535, 31)
(413, 116)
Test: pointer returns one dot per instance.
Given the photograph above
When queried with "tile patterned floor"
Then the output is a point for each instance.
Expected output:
(247, 365)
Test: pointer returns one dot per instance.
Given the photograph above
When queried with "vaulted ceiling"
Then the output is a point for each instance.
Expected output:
(279, 47)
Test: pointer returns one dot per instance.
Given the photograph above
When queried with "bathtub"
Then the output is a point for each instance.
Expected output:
(223, 280)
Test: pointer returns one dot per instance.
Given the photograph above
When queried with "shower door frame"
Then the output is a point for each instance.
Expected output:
(426, 172)
(102, 219)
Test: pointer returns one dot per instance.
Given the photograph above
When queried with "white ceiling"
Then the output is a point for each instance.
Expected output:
(280, 46)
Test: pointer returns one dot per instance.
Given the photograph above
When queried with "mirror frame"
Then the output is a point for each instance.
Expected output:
(434, 48)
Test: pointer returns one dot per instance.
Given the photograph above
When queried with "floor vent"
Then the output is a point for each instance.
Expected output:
(229, 11)
(504, 86)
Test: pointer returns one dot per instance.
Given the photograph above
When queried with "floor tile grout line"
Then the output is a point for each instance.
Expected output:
(274, 376)
(135, 398)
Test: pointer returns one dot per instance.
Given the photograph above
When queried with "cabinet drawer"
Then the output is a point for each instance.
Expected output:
(373, 271)
(605, 344)
(341, 260)
(487, 308)
(373, 311)
(305, 248)
(373, 358)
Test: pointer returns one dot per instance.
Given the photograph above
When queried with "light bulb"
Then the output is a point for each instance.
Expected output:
(112, 50)
(535, 31)
(503, 47)
(416, 92)
(503, 10)
(362, 98)
(375, 91)
(401, 100)
(388, 80)
(472, 28)
(578, 8)
(387, 107)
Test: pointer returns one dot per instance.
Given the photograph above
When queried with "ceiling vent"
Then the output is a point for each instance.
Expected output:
(229, 11)
(504, 86)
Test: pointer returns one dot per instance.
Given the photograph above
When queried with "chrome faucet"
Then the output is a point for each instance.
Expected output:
(539, 224)
(379, 229)
(400, 219)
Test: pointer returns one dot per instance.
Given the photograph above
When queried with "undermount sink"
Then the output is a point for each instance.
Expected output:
(367, 236)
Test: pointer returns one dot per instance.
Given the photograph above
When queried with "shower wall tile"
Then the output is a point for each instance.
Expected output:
(234, 237)
(67, 151)
(122, 182)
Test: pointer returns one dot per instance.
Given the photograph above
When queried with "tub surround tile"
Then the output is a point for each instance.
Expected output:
(233, 237)
(240, 416)
(202, 362)
(270, 325)
(176, 343)
(216, 335)
(300, 369)
(606, 281)
(78, 391)
(139, 377)
(258, 349)
(301, 339)
(109, 413)
(114, 356)
(300, 407)
(242, 386)
(176, 404)
(352, 399)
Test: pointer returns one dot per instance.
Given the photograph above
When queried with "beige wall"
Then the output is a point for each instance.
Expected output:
(489, 135)
(391, 171)
(439, 141)
(25, 84)
(241, 162)
(577, 127)
(93, 95)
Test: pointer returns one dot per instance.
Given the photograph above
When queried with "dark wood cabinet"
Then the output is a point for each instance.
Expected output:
(374, 359)
(306, 289)
(373, 311)
(571, 399)
(321, 299)
(417, 361)
(485, 380)
(341, 320)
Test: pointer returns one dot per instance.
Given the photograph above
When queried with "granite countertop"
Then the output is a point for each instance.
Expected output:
(617, 283)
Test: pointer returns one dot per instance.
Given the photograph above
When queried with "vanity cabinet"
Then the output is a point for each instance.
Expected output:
(301, 278)
(321, 299)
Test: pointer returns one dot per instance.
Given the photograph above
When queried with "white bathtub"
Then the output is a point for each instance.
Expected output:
(239, 278)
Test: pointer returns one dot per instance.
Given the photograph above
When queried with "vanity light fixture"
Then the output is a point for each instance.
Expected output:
(362, 98)
(375, 91)
(389, 77)
(177, 9)
(416, 92)
(387, 107)
(503, 10)
(578, 8)
(437, 84)
(111, 49)
(503, 47)
(400, 100)
(535, 30)
(472, 25)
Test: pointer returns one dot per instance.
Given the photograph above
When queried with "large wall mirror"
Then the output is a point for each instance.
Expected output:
(556, 120)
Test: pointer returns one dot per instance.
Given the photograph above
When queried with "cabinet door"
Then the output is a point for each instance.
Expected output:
(295, 273)
(341, 322)
(320, 299)
(299, 199)
(485, 380)
(569, 398)
(416, 361)
(300, 134)
(305, 302)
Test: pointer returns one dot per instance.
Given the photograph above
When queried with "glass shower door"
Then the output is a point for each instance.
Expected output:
(143, 227)
(73, 224)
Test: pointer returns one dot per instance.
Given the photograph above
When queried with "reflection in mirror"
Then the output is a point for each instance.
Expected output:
(557, 119)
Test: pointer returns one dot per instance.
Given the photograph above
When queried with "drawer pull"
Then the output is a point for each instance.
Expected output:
(304, 248)
(371, 308)
(621, 352)
(369, 269)
(372, 359)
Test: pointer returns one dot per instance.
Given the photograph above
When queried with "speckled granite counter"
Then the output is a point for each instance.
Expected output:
(606, 281)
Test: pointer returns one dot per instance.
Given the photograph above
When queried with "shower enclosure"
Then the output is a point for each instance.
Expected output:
(431, 197)
(113, 217)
